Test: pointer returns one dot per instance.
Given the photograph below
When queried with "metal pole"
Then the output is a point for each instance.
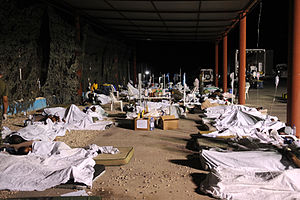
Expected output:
(242, 66)
(225, 63)
(140, 87)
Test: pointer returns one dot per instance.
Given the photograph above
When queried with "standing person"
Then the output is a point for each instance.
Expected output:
(3, 94)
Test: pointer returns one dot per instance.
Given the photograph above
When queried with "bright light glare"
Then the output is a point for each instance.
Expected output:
(147, 72)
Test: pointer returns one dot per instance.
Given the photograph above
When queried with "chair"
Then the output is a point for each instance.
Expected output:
(114, 100)
(247, 90)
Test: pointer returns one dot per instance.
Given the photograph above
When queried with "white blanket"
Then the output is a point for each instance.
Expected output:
(250, 175)
(241, 121)
(75, 119)
(236, 183)
(49, 164)
(104, 99)
(39, 131)
(260, 161)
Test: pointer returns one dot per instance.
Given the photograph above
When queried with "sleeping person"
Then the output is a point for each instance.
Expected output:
(16, 145)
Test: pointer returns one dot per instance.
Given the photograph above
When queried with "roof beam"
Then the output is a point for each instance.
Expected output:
(171, 0)
(170, 20)
(157, 26)
(160, 11)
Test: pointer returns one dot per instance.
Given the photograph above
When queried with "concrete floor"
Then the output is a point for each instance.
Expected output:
(264, 97)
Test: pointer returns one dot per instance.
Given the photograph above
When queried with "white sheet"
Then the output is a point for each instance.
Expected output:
(250, 175)
(239, 184)
(241, 121)
(50, 164)
(75, 119)
(56, 111)
(260, 161)
(40, 131)
(104, 99)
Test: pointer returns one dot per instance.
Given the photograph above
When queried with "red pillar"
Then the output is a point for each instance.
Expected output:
(293, 115)
(225, 63)
(242, 65)
(134, 67)
(216, 64)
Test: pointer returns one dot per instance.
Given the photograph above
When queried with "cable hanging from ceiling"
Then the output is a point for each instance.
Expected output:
(258, 23)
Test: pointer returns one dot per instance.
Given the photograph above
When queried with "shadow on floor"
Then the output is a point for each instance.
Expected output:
(125, 123)
(197, 178)
(192, 161)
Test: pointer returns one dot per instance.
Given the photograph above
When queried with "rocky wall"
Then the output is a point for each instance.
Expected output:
(64, 63)
(20, 24)
(42, 55)
(105, 59)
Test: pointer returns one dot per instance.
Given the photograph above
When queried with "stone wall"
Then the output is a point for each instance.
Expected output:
(42, 55)
(105, 60)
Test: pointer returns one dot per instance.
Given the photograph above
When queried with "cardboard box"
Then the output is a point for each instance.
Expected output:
(169, 122)
(142, 124)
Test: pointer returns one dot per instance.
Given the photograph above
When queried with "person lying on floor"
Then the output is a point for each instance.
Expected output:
(16, 145)
(43, 119)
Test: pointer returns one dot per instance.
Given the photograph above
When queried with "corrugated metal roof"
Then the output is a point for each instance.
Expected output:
(164, 20)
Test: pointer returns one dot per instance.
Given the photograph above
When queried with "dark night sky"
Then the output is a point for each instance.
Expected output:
(169, 57)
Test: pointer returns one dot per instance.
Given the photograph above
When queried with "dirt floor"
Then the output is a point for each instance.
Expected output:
(165, 164)
(162, 167)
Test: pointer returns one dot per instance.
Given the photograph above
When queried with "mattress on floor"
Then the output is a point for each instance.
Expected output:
(121, 158)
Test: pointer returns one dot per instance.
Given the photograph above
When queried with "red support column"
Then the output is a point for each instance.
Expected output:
(225, 63)
(242, 64)
(294, 74)
(134, 67)
(216, 64)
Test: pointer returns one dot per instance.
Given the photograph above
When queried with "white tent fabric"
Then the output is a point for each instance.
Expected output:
(49, 164)
(250, 175)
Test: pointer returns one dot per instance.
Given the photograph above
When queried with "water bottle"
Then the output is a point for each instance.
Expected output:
(151, 124)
